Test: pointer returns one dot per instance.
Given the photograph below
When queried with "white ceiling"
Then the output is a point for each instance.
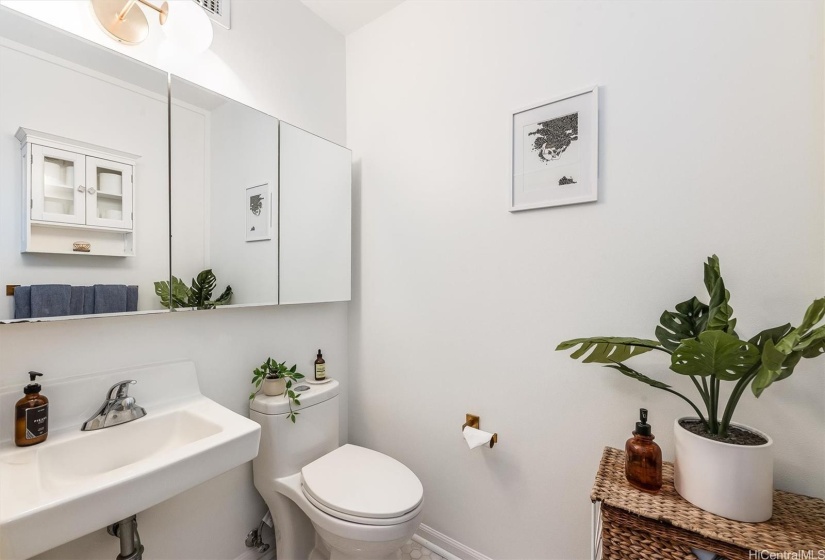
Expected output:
(348, 15)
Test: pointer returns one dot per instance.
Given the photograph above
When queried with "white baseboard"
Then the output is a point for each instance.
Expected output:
(444, 546)
(428, 537)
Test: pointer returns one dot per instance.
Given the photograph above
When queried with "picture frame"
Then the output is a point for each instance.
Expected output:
(258, 208)
(554, 158)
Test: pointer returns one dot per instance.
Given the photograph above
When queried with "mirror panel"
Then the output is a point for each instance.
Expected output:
(225, 196)
(88, 207)
(315, 199)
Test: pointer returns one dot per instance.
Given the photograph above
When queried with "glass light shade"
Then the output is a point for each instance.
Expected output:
(188, 26)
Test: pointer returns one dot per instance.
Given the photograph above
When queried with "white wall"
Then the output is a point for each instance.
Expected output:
(298, 74)
(711, 142)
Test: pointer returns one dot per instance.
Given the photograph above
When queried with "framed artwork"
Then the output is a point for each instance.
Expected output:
(554, 158)
(258, 206)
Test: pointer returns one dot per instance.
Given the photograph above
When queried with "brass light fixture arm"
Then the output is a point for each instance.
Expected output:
(163, 11)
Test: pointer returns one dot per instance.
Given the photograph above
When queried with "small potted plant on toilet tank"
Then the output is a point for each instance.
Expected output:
(721, 467)
(276, 379)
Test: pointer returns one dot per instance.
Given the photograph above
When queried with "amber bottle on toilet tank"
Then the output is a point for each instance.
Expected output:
(643, 458)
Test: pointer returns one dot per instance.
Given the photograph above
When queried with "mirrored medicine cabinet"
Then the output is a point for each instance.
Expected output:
(120, 184)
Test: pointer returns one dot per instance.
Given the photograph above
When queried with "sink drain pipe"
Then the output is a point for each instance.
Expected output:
(126, 530)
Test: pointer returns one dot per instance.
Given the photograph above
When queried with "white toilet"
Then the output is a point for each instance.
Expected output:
(330, 502)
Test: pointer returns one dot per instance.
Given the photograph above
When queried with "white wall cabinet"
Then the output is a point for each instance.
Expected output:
(79, 198)
(315, 219)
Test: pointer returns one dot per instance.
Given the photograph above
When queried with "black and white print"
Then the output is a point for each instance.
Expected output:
(258, 213)
(555, 152)
(552, 154)
(553, 137)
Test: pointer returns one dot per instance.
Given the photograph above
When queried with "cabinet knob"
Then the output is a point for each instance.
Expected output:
(91, 190)
(81, 188)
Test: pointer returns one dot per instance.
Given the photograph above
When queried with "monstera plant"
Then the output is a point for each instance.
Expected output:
(199, 295)
(702, 344)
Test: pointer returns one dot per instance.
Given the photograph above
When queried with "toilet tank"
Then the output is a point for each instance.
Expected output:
(285, 446)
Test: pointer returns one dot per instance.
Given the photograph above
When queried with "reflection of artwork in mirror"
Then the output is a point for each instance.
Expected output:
(258, 213)
(223, 154)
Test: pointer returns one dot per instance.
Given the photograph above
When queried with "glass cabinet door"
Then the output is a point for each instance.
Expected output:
(57, 186)
(108, 193)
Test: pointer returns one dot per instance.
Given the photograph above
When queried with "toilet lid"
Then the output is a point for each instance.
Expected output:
(361, 482)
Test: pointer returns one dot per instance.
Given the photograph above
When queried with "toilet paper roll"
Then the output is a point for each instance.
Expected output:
(476, 438)
(110, 183)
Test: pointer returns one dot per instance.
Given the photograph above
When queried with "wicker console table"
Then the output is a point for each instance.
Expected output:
(634, 525)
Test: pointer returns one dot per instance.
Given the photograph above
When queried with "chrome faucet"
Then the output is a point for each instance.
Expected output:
(118, 408)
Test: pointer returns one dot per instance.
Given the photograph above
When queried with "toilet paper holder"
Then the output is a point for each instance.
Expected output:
(474, 421)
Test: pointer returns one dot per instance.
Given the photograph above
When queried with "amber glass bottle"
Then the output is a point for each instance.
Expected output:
(31, 415)
(643, 458)
(320, 367)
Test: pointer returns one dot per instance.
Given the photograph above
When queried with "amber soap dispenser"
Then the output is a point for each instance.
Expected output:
(643, 458)
(31, 415)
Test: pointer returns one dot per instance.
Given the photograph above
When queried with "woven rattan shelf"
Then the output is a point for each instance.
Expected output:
(636, 525)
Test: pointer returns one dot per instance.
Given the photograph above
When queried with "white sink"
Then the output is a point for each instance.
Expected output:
(78, 482)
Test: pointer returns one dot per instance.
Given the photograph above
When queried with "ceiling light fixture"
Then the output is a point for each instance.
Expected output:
(187, 25)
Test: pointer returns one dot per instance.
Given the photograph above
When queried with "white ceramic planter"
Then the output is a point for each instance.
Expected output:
(274, 387)
(734, 481)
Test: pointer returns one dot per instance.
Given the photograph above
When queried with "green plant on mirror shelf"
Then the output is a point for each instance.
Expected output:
(273, 371)
(198, 295)
(702, 344)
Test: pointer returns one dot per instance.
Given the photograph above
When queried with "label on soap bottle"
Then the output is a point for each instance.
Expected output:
(320, 371)
(37, 421)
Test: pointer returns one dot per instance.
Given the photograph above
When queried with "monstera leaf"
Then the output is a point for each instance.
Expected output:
(813, 315)
(774, 335)
(608, 349)
(225, 296)
(780, 357)
(715, 353)
(202, 287)
(720, 313)
(688, 321)
(633, 374)
(179, 293)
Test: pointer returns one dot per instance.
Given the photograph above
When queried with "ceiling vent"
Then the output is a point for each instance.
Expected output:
(218, 10)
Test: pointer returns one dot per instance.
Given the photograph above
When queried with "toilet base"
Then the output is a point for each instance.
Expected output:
(306, 532)
(329, 546)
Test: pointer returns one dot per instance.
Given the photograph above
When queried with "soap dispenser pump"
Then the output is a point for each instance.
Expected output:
(643, 458)
(31, 415)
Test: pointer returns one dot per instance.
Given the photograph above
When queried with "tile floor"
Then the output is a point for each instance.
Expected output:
(414, 551)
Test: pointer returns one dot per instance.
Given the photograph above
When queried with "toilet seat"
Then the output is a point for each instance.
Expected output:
(374, 521)
(363, 486)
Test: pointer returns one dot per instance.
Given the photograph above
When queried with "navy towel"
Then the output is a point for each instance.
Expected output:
(131, 298)
(88, 300)
(77, 300)
(110, 298)
(50, 300)
(23, 302)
